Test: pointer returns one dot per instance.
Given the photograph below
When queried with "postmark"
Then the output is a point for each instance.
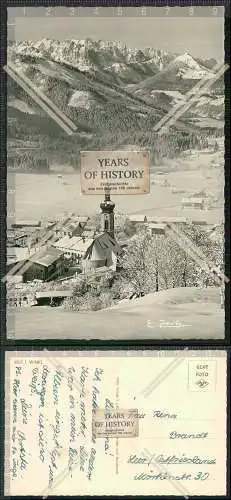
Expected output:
(123, 423)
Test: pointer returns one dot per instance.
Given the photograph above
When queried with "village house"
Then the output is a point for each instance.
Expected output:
(202, 223)
(88, 233)
(137, 218)
(21, 298)
(165, 220)
(28, 298)
(73, 248)
(25, 224)
(73, 229)
(51, 297)
(49, 224)
(23, 237)
(16, 255)
(193, 203)
(16, 239)
(156, 228)
(46, 265)
(175, 220)
(72, 226)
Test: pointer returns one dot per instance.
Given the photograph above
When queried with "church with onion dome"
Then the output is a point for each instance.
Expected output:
(104, 250)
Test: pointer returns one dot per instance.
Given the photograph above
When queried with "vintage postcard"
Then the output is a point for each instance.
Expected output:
(115, 170)
(115, 423)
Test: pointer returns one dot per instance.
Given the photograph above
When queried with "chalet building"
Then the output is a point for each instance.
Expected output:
(16, 278)
(28, 236)
(156, 229)
(88, 234)
(73, 248)
(177, 190)
(18, 239)
(200, 194)
(71, 227)
(16, 255)
(52, 297)
(26, 224)
(193, 203)
(25, 298)
(49, 225)
(21, 299)
(138, 218)
(199, 222)
(10, 238)
(45, 265)
(165, 220)
(176, 220)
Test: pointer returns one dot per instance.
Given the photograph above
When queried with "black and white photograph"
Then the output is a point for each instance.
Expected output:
(115, 173)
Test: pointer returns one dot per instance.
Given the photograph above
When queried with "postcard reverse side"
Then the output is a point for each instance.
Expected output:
(115, 423)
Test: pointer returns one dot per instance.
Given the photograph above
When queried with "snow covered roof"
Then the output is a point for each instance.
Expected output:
(76, 243)
(16, 254)
(17, 234)
(73, 222)
(88, 234)
(25, 223)
(46, 257)
(82, 218)
(72, 226)
(137, 218)
(153, 225)
(100, 247)
(179, 220)
(62, 243)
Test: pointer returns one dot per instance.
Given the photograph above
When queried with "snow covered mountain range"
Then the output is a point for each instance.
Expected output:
(105, 86)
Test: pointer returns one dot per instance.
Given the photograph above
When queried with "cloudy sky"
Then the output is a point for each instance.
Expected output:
(200, 34)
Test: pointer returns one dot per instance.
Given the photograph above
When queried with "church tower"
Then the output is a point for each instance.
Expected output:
(107, 207)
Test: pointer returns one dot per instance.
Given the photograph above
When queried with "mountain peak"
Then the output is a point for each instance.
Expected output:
(187, 59)
(114, 94)
(118, 63)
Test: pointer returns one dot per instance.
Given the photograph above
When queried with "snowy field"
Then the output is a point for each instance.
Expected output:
(179, 313)
(49, 195)
(192, 314)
